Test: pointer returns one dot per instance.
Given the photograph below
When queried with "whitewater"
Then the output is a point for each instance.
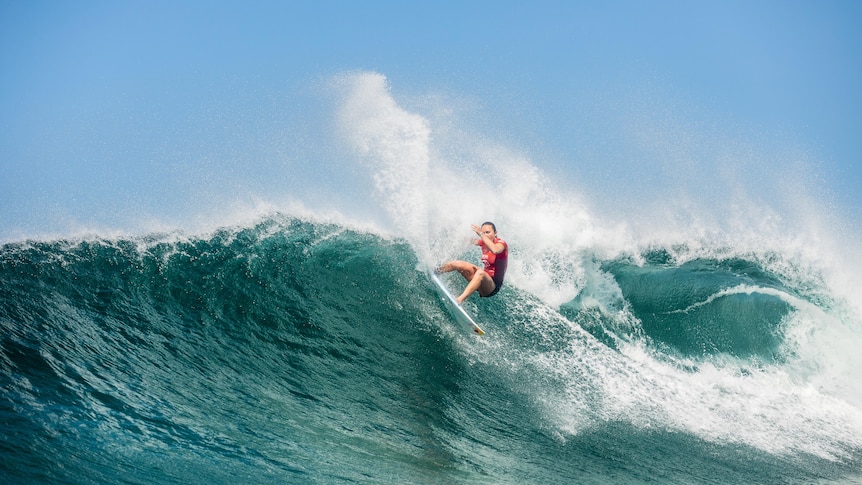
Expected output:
(299, 345)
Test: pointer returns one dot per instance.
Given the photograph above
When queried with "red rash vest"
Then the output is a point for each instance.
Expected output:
(495, 264)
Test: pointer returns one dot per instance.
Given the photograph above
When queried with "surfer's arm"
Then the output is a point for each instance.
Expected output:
(495, 247)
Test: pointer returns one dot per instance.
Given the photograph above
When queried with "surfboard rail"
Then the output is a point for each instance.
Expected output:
(457, 311)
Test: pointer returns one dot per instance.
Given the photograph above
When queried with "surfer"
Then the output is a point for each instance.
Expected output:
(495, 258)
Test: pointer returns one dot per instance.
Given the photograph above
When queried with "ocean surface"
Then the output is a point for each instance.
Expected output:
(294, 351)
(682, 344)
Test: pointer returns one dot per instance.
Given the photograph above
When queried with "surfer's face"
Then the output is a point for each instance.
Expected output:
(489, 230)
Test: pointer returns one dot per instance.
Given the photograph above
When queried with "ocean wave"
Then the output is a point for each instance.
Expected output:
(295, 350)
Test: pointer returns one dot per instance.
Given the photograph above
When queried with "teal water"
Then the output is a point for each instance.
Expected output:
(293, 351)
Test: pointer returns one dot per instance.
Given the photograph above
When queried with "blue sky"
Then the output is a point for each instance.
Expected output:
(116, 112)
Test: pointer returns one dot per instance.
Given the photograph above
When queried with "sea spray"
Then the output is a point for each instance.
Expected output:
(394, 145)
(432, 200)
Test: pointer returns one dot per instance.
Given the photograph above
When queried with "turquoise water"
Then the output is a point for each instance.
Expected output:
(288, 350)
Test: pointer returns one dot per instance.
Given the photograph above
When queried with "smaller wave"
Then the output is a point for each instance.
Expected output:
(703, 308)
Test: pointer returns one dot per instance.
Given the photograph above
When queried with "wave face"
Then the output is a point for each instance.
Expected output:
(295, 351)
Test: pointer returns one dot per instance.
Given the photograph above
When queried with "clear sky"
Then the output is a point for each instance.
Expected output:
(119, 111)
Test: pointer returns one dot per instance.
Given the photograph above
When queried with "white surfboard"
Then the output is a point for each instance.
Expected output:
(457, 311)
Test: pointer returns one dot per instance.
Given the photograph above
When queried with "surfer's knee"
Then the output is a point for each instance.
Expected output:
(484, 282)
(480, 274)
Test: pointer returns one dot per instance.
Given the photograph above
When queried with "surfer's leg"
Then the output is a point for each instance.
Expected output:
(467, 270)
(480, 281)
(477, 278)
